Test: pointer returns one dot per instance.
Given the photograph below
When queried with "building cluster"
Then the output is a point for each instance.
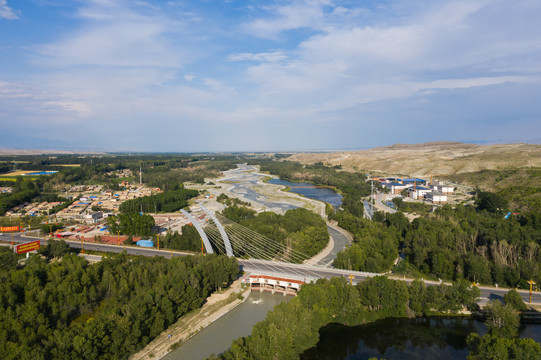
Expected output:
(96, 202)
(418, 189)
(32, 209)
(121, 173)
(5, 189)
(92, 204)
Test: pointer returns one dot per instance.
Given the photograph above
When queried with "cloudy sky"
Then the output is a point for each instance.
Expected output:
(197, 75)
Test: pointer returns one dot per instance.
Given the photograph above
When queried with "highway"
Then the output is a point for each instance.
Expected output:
(132, 250)
(305, 273)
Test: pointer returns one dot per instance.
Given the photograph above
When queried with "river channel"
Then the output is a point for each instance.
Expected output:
(218, 336)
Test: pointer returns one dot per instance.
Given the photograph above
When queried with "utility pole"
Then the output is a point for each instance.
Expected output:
(140, 176)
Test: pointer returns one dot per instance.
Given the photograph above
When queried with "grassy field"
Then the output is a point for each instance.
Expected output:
(521, 187)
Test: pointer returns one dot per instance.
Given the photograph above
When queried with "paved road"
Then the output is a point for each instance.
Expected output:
(309, 273)
(368, 209)
(293, 271)
(340, 242)
(132, 250)
(383, 206)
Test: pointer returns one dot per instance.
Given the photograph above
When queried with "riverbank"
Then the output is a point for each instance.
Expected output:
(216, 305)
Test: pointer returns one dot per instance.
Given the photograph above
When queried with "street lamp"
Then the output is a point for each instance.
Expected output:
(531, 282)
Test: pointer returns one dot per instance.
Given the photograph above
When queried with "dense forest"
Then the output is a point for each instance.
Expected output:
(476, 245)
(375, 244)
(168, 201)
(69, 309)
(131, 224)
(292, 328)
(188, 239)
(298, 229)
(451, 243)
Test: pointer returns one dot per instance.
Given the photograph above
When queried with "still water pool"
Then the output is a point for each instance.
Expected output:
(312, 192)
(423, 338)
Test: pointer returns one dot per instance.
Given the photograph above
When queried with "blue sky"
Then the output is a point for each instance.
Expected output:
(119, 75)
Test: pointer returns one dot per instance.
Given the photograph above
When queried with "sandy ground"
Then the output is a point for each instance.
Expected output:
(216, 306)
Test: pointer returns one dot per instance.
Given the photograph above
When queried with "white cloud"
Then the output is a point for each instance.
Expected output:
(449, 46)
(274, 56)
(116, 33)
(6, 12)
(296, 15)
(34, 105)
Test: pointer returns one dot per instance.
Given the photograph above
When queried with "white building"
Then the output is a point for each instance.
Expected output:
(419, 192)
(93, 217)
(396, 188)
(436, 197)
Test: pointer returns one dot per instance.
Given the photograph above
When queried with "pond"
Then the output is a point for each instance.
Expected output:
(311, 191)
(402, 338)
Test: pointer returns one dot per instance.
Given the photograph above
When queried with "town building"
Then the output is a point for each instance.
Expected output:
(418, 192)
(436, 197)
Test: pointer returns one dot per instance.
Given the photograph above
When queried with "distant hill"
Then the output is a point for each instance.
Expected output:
(8, 152)
(432, 158)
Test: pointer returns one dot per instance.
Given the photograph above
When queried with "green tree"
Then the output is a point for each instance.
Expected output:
(491, 347)
(491, 202)
(514, 299)
(8, 259)
(502, 320)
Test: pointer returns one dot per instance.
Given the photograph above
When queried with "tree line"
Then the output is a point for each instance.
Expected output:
(168, 201)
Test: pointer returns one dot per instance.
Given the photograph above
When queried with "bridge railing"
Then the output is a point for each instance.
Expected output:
(309, 268)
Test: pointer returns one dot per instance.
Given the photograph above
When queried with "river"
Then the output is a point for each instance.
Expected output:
(218, 336)
(311, 191)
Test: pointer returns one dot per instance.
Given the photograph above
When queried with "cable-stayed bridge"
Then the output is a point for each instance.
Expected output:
(272, 265)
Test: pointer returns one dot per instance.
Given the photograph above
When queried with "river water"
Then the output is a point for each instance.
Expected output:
(218, 336)
(312, 192)
(404, 339)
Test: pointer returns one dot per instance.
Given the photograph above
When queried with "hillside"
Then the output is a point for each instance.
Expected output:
(434, 158)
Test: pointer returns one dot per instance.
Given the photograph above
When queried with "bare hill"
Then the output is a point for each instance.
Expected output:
(437, 158)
